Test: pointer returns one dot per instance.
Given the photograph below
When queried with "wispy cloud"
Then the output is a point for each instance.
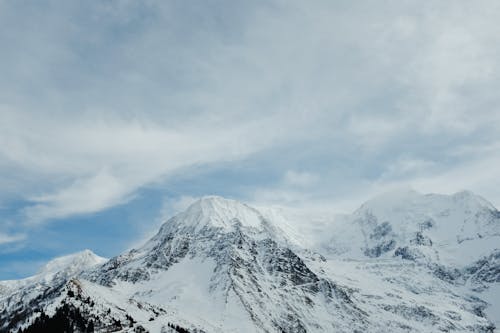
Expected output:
(105, 99)
(295, 178)
(11, 238)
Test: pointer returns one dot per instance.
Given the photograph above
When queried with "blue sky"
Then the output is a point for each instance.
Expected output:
(116, 114)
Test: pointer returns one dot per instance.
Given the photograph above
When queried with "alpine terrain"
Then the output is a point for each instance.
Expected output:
(402, 262)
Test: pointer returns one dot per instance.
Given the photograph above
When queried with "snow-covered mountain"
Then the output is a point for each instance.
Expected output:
(454, 229)
(21, 299)
(402, 262)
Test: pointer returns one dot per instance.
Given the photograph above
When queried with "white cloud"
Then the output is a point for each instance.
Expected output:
(373, 131)
(98, 165)
(100, 104)
(406, 166)
(302, 179)
(480, 176)
(82, 196)
(172, 206)
(11, 238)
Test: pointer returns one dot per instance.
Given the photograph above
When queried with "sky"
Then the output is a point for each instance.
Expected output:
(115, 115)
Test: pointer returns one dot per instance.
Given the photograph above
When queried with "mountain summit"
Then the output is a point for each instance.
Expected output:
(400, 263)
(219, 213)
(452, 229)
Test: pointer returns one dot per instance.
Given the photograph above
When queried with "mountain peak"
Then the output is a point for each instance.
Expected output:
(72, 262)
(213, 203)
(450, 229)
(471, 198)
(219, 212)
(410, 200)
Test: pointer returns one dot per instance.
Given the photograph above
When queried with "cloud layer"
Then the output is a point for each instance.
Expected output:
(335, 99)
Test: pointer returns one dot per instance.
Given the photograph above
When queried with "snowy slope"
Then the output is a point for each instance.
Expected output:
(455, 238)
(455, 230)
(236, 267)
(20, 297)
(59, 269)
(402, 262)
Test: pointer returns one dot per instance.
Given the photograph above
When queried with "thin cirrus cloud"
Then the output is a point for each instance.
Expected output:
(106, 163)
(10, 238)
(102, 100)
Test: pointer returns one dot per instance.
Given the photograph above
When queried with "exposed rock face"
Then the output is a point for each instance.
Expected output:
(222, 266)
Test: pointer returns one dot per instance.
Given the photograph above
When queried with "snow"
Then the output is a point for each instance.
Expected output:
(462, 226)
(73, 262)
(62, 266)
(492, 296)
(219, 212)
(224, 266)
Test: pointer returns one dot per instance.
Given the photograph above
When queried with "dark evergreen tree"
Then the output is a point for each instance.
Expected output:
(67, 319)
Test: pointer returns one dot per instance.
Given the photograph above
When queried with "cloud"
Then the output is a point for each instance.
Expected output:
(301, 179)
(105, 99)
(406, 166)
(82, 196)
(479, 176)
(10, 238)
(172, 206)
(93, 166)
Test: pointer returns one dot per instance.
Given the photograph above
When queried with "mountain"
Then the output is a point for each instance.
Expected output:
(19, 298)
(453, 230)
(440, 238)
(402, 262)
